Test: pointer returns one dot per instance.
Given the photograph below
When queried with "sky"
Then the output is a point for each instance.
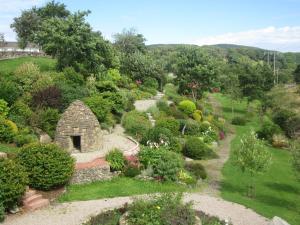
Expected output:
(273, 25)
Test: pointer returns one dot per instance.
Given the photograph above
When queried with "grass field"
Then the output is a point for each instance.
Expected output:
(7, 66)
(119, 186)
(277, 191)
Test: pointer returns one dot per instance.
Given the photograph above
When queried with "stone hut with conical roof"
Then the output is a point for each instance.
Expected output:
(78, 130)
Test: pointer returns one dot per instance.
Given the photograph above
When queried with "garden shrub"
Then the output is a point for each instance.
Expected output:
(131, 170)
(169, 123)
(282, 116)
(191, 127)
(136, 123)
(195, 148)
(48, 97)
(139, 94)
(197, 115)
(176, 113)
(186, 177)
(24, 137)
(4, 109)
(9, 90)
(26, 75)
(100, 106)
(238, 120)
(163, 106)
(48, 166)
(8, 130)
(187, 106)
(165, 164)
(165, 209)
(293, 126)
(116, 160)
(118, 101)
(70, 93)
(43, 82)
(110, 217)
(196, 168)
(150, 82)
(72, 76)
(267, 130)
(20, 113)
(13, 181)
(2, 213)
(161, 137)
(148, 155)
(46, 119)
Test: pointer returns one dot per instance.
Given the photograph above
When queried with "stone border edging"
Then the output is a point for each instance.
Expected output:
(136, 147)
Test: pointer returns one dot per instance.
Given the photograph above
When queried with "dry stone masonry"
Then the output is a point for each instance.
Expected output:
(78, 130)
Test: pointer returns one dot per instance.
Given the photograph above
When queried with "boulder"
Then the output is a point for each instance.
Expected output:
(3, 155)
(278, 221)
(45, 138)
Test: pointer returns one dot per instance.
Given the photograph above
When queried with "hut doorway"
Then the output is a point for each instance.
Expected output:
(76, 140)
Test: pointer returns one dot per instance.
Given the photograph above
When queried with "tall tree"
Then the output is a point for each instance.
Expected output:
(297, 74)
(255, 80)
(129, 42)
(196, 72)
(30, 22)
(72, 41)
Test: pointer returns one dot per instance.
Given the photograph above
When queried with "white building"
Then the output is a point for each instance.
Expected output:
(13, 47)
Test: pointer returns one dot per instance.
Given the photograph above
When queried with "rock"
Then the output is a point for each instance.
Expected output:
(278, 221)
(3, 155)
(214, 145)
(14, 210)
(45, 138)
(187, 159)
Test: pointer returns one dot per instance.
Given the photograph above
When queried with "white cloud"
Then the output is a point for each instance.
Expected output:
(279, 38)
(10, 9)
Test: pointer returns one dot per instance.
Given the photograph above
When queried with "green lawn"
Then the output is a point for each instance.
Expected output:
(277, 191)
(119, 186)
(9, 65)
(8, 148)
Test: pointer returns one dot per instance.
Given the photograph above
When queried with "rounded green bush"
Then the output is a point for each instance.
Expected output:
(116, 160)
(8, 130)
(170, 123)
(187, 106)
(23, 139)
(197, 169)
(48, 166)
(268, 129)
(195, 148)
(13, 181)
(165, 164)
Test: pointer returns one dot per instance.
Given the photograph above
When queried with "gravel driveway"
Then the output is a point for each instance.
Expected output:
(75, 213)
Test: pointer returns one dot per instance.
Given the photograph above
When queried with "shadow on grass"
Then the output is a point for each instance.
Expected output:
(276, 201)
(229, 110)
(283, 187)
(227, 187)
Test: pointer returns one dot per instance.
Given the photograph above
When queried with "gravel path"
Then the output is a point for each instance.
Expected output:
(75, 213)
(145, 104)
(117, 139)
